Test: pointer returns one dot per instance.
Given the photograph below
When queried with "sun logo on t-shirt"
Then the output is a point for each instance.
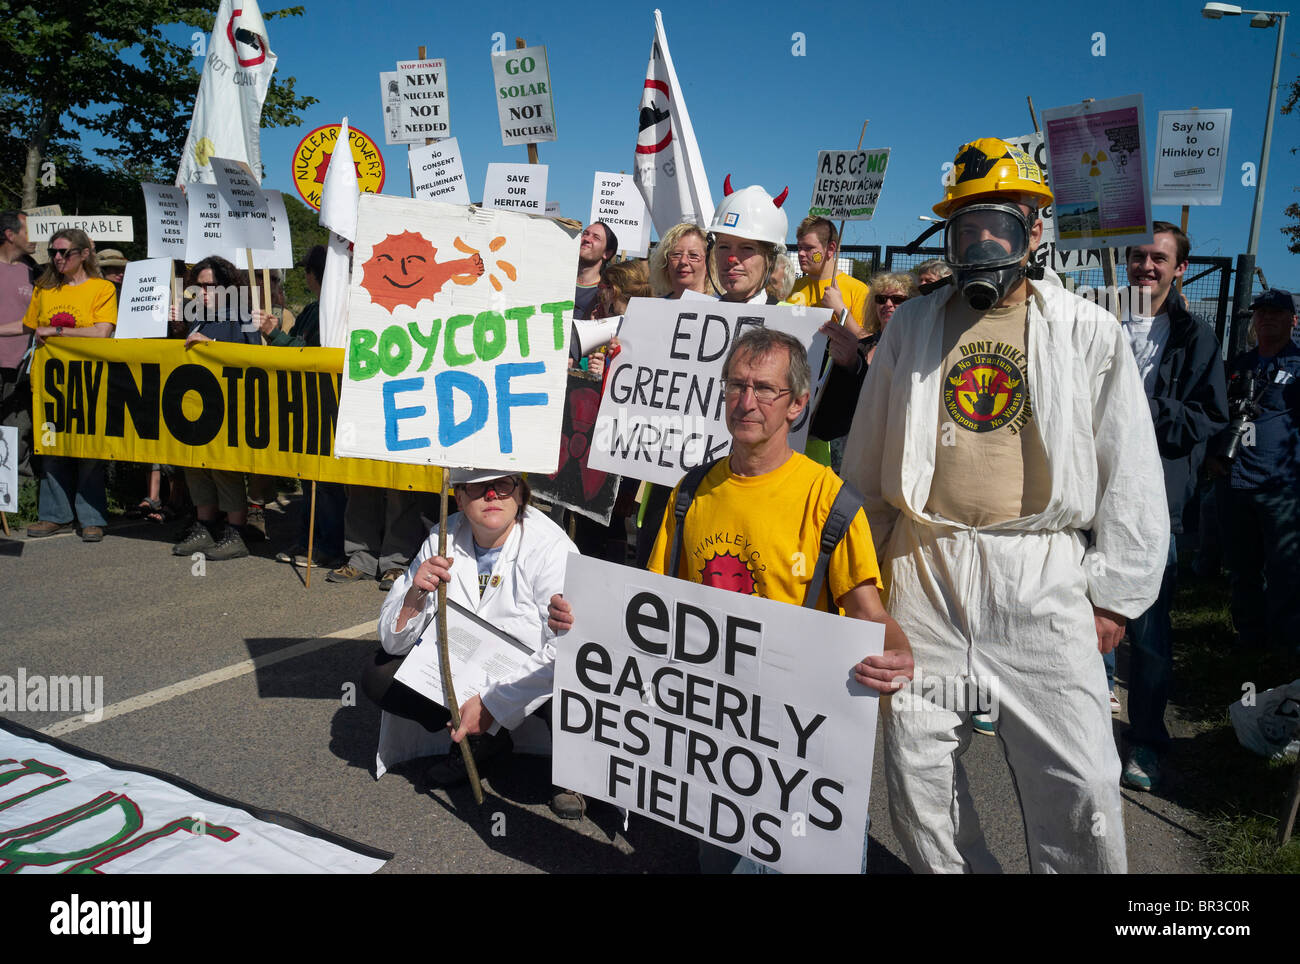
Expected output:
(726, 570)
(61, 319)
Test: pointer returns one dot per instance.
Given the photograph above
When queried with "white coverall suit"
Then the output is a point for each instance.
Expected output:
(1013, 602)
(529, 571)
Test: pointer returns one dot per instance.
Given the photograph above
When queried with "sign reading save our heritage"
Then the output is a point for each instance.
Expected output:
(459, 324)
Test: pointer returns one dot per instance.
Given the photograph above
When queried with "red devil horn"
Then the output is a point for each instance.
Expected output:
(726, 186)
(780, 198)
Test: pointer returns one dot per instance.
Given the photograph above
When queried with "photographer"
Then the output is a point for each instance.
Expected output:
(1258, 455)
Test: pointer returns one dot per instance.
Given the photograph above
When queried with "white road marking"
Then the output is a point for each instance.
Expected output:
(233, 671)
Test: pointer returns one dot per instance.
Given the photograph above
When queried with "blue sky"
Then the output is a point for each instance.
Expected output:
(928, 76)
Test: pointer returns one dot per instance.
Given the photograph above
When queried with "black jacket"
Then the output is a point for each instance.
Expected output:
(1190, 403)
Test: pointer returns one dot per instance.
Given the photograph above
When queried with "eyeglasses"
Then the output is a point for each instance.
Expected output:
(763, 394)
(63, 252)
(895, 299)
(677, 257)
(504, 487)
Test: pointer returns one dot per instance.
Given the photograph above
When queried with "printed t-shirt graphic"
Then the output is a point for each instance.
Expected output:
(990, 464)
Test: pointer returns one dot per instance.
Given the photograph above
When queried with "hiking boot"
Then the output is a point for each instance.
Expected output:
(1142, 770)
(92, 534)
(567, 804)
(450, 770)
(197, 539)
(390, 576)
(39, 530)
(983, 725)
(231, 546)
(346, 573)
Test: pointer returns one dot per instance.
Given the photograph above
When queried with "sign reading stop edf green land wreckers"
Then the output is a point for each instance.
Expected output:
(523, 90)
(848, 184)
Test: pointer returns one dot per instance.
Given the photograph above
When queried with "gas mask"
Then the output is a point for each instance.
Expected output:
(985, 244)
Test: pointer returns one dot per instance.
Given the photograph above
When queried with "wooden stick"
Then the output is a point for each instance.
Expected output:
(532, 148)
(252, 280)
(266, 290)
(1032, 116)
(444, 654)
(311, 531)
(5, 519)
(1287, 823)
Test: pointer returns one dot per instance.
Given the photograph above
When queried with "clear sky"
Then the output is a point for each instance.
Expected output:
(929, 76)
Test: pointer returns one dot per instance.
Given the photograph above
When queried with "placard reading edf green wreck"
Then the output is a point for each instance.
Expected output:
(848, 184)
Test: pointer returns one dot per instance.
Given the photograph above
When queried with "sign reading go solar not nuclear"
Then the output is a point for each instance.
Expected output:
(458, 349)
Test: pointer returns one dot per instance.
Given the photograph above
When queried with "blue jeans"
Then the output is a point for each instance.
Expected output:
(331, 503)
(65, 477)
(1151, 665)
(1263, 554)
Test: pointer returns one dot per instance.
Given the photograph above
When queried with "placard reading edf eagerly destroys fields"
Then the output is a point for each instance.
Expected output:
(458, 348)
(848, 184)
(733, 718)
(664, 409)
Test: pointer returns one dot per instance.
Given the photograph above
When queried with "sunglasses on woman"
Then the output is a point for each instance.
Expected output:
(895, 299)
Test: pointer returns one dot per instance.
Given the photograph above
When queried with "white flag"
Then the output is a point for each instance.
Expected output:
(228, 109)
(338, 213)
(669, 169)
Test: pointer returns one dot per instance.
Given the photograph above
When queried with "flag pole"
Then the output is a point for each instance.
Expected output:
(444, 652)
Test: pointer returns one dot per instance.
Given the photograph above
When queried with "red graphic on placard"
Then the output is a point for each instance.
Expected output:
(726, 570)
(656, 126)
(584, 403)
(242, 40)
(403, 270)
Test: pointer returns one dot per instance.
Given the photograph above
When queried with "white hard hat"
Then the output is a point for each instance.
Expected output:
(464, 476)
(751, 213)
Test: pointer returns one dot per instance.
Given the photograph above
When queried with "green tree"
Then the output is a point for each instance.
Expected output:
(1292, 211)
(104, 67)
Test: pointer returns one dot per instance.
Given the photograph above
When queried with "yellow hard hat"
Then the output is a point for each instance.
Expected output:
(991, 166)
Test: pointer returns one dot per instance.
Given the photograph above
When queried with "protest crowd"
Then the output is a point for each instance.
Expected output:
(994, 472)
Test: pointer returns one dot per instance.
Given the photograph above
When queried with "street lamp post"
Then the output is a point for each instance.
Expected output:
(1246, 263)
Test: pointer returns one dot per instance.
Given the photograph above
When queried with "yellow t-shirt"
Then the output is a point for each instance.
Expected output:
(73, 306)
(761, 534)
(809, 292)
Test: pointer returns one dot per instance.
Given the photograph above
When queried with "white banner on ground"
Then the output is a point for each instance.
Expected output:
(1191, 157)
(205, 228)
(144, 300)
(616, 201)
(63, 813)
(437, 173)
(458, 336)
(523, 90)
(848, 184)
(426, 111)
(167, 215)
(99, 227)
(669, 168)
(663, 411)
(516, 187)
(228, 110)
(730, 717)
(481, 655)
(244, 209)
(280, 254)
(1097, 151)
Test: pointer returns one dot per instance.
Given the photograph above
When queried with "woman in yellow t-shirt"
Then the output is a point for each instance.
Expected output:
(71, 299)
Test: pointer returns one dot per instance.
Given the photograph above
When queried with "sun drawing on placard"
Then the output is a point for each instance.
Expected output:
(726, 570)
(496, 244)
(403, 270)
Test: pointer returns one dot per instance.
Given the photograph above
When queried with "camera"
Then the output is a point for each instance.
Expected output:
(1244, 392)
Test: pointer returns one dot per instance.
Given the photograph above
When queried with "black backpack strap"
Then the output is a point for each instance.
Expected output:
(843, 510)
(685, 495)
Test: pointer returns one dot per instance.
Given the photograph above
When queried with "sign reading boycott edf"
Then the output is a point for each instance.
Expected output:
(523, 90)
(733, 718)
(458, 348)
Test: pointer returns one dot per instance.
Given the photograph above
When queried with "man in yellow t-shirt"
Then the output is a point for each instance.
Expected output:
(819, 246)
(756, 511)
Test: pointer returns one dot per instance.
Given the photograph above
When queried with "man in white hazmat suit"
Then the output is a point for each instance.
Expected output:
(1015, 495)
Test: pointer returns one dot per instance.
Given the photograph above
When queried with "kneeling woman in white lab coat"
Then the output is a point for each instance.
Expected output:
(505, 560)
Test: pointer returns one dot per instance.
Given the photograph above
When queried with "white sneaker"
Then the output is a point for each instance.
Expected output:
(1114, 704)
